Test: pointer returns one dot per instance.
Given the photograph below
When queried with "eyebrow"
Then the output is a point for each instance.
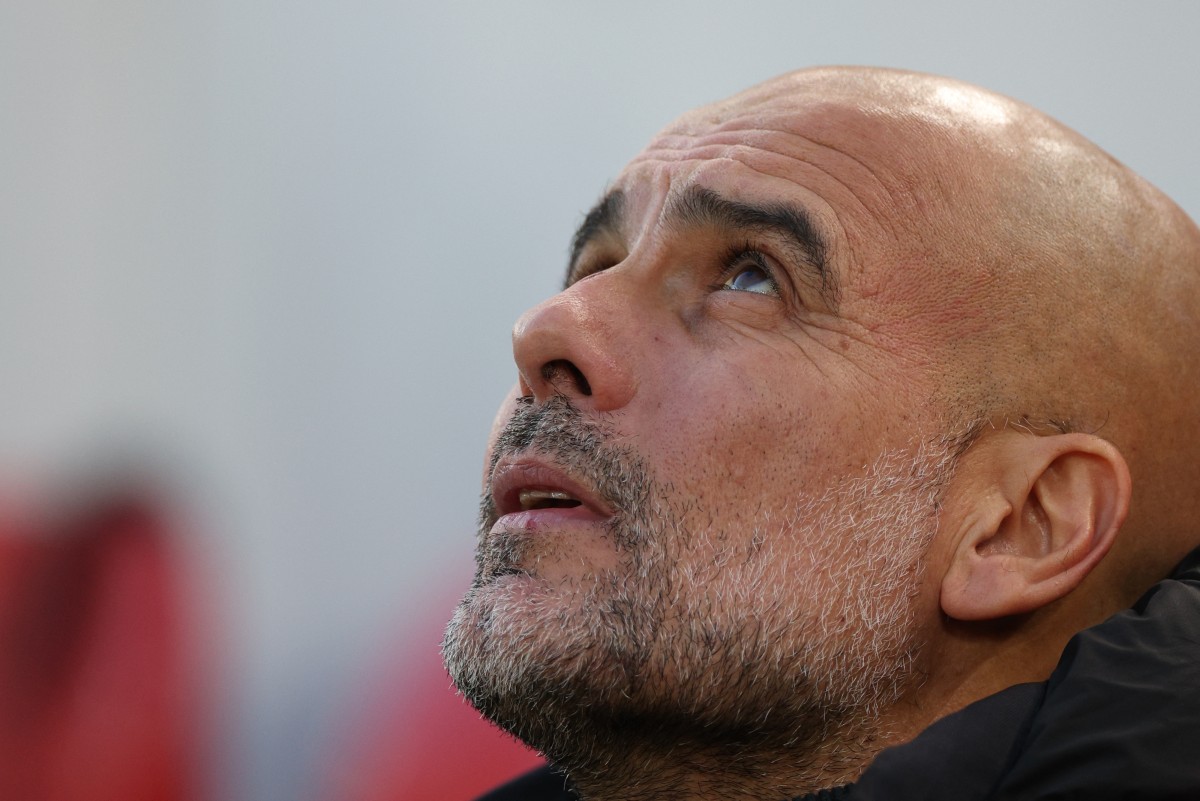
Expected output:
(604, 218)
(697, 207)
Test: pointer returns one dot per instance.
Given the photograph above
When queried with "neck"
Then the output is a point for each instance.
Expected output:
(649, 770)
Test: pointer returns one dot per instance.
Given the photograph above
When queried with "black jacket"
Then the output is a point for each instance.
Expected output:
(1118, 719)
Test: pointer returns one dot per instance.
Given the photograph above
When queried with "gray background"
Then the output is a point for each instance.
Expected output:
(275, 247)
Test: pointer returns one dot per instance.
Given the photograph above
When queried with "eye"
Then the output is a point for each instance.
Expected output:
(748, 272)
(587, 270)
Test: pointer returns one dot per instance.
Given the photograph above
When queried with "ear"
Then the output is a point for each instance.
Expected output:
(1040, 513)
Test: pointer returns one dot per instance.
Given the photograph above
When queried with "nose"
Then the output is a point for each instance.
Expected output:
(577, 344)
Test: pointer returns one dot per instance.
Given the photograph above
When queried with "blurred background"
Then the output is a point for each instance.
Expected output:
(259, 261)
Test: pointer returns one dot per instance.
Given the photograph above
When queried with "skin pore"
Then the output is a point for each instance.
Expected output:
(850, 375)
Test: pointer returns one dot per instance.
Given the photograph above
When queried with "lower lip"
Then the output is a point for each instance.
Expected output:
(555, 517)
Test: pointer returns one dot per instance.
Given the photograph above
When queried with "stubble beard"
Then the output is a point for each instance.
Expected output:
(700, 648)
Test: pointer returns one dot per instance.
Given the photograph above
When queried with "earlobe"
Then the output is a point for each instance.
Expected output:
(1044, 511)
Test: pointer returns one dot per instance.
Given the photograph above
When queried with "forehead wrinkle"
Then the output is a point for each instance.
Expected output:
(789, 146)
(864, 166)
(789, 153)
(815, 146)
(730, 141)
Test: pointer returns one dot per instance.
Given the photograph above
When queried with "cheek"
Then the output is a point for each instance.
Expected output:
(736, 436)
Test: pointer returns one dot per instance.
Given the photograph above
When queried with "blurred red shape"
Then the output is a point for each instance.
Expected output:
(93, 699)
(421, 740)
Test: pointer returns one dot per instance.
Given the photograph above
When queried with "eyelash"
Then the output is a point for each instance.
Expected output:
(585, 272)
(736, 257)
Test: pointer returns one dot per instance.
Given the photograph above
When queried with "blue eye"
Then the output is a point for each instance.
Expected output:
(751, 277)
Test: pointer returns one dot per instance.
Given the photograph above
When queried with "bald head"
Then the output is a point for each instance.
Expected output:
(1067, 288)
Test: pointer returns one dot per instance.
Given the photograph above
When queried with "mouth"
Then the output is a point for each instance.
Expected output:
(546, 499)
(537, 490)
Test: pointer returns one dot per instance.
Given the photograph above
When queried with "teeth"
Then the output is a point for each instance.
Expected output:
(540, 499)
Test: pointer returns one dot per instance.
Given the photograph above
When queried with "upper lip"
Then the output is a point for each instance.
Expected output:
(512, 476)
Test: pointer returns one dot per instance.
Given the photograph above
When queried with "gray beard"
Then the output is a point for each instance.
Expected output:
(784, 642)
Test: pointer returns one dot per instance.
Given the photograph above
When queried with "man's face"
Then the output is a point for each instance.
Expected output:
(706, 510)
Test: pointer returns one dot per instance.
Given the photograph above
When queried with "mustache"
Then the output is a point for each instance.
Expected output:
(582, 445)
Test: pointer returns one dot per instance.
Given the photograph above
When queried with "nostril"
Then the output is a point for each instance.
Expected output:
(561, 369)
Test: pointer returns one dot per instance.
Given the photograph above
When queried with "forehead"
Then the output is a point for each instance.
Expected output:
(897, 192)
(852, 172)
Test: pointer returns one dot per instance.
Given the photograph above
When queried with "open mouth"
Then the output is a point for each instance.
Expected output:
(529, 484)
(546, 499)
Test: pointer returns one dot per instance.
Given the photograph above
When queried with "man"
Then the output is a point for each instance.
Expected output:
(867, 391)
